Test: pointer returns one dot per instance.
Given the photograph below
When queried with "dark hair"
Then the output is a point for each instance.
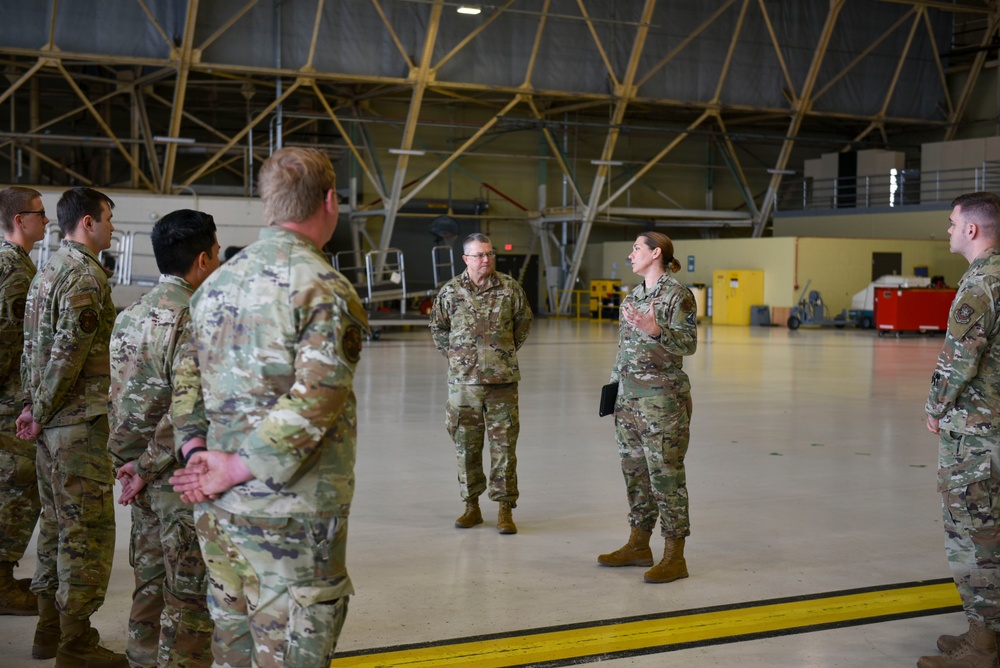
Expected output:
(984, 209)
(230, 252)
(666, 246)
(76, 203)
(179, 238)
(14, 200)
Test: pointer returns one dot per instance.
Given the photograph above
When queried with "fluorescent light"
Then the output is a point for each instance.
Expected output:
(471, 10)
(406, 151)
(786, 172)
(613, 163)
(173, 140)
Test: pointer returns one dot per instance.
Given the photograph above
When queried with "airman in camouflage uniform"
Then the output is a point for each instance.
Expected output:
(23, 220)
(653, 411)
(479, 321)
(169, 624)
(65, 370)
(276, 335)
(963, 408)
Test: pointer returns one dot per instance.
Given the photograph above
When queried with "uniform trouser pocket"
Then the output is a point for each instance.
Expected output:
(970, 495)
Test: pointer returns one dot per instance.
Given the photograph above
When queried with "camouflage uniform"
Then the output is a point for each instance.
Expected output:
(480, 329)
(965, 398)
(277, 334)
(19, 503)
(653, 410)
(148, 342)
(65, 369)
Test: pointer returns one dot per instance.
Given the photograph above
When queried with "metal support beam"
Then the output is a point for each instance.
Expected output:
(422, 76)
(625, 92)
(800, 106)
(973, 76)
(183, 58)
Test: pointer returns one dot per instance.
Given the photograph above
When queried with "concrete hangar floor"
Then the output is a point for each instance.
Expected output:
(816, 532)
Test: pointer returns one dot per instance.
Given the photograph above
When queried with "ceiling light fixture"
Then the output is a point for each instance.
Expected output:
(471, 10)
(406, 151)
(613, 163)
(172, 140)
(785, 172)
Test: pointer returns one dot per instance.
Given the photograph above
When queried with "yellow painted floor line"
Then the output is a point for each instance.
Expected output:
(660, 632)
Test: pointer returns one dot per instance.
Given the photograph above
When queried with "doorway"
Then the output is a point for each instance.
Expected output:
(886, 264)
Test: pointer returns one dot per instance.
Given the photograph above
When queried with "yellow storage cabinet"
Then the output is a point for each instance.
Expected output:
(600, 289)
(734, 291)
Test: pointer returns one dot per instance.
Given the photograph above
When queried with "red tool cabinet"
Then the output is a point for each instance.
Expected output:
(912, 309)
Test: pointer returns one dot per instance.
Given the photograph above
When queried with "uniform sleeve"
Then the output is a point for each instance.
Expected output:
(971, 319)
(441, 323)
(327, 350)
(522, 317)
(187, 408)
(74, 329)
(12, 299)
(159, 454)
(677, 318)
(616, 370)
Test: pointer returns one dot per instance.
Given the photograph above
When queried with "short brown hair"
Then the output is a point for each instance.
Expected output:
(76, 203)
(984, 209)
(14, 200)
(293, 183)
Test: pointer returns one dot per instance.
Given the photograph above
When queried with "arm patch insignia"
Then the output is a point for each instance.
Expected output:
(76, 301)
(18, 307)
(351, 343)
(88, 321)
(963, 315)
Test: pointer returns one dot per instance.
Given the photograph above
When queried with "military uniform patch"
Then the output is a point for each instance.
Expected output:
(964, 314)
(88, 320)
(18, 307)
(351, 343)
(76, 301)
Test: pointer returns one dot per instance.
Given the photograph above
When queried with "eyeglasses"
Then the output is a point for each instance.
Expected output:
(25, 213)
(480, 256)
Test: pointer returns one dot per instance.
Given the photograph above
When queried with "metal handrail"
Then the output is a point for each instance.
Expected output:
(384, 260)
(897, 188)
(579, 298)
(437, 263)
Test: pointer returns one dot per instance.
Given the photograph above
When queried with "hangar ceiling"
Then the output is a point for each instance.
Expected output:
(614, 101)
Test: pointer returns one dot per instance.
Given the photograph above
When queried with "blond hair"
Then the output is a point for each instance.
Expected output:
(293, 183)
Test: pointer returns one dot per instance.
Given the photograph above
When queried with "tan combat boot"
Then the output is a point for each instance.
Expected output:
(505, 519)
(947, 643)
(47, 633)
(980, 651)
(672, 566)
(635, 552)
(80, 647)
(471, 517)
(15, 599)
